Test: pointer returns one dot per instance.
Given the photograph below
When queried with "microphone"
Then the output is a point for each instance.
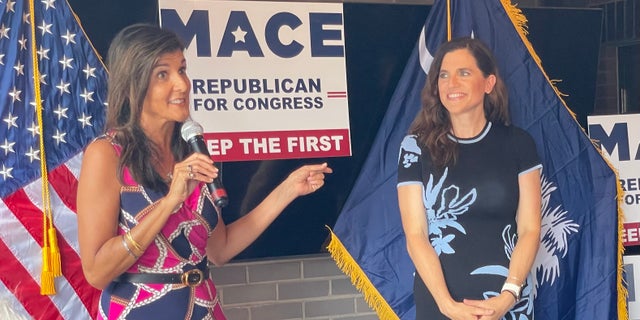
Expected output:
(192, 133)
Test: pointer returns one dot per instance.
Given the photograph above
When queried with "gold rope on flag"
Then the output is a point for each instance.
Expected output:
(51, 265)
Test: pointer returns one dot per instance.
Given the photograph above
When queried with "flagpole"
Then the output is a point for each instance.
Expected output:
(448, 20)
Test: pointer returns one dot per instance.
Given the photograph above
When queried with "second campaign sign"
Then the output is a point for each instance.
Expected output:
(268, 79)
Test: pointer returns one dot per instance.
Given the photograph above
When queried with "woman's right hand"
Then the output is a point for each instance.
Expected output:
(187, 174)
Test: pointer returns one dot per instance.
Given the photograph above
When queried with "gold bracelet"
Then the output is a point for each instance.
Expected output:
(126, 246)
(133, 242)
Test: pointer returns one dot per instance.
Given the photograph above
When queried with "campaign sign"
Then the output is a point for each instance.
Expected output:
(619, 140)
(268, 79)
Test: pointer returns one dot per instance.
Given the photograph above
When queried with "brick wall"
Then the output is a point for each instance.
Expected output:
(302, 287)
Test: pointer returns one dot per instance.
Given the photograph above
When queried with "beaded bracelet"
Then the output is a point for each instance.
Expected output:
(126, 246)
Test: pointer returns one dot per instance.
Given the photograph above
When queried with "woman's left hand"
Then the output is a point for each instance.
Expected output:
(307, 179)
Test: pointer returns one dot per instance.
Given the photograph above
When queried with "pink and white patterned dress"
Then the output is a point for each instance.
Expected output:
(180, 246)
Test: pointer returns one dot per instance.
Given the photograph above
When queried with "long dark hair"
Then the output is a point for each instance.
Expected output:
(433, 123)
(132, 55)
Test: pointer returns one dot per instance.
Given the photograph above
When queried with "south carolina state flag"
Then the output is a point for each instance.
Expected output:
(55, 124)
(577, 272)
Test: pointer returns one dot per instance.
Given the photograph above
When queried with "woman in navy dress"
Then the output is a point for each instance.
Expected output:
(469, 192)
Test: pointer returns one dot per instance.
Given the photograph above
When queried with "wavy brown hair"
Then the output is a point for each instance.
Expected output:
(132, 56)
(432, 125)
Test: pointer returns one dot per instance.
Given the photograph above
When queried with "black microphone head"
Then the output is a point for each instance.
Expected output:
(190, 129)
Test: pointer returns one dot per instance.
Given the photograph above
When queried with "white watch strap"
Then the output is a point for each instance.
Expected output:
(508, 286)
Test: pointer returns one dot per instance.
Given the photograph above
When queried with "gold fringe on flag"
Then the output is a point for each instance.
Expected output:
(51, 265)
(359, 279)
(519, 21)
(623, 293)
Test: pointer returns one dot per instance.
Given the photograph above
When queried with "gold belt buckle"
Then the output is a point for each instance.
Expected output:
(185, 277)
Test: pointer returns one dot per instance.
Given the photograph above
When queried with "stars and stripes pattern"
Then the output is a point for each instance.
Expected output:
(72, 82)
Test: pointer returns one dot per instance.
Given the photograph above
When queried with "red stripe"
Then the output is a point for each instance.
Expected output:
(31, 217)
(72, 271)
(65, 184)
(19, 281)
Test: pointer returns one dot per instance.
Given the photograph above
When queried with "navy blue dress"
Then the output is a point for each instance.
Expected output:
(471, 212)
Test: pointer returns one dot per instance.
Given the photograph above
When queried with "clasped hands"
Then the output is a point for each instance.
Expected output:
(493, 308)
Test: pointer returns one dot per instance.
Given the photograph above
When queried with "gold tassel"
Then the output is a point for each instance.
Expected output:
(46, 277)
(359, 279)
(56, 265)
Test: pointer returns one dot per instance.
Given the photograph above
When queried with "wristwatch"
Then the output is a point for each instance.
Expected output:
(512, 288)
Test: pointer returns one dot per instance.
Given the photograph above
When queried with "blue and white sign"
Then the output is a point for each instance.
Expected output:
(268, 78)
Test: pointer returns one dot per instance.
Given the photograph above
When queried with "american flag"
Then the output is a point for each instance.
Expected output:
(73, 84)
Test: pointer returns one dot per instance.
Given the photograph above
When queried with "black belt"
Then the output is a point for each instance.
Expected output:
(189, 278)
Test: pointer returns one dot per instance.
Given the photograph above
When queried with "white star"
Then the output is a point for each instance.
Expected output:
(25, 18)
(34, 129)
(19, 68)
(8, 147)
(59, 136)
(46, 28)
(33, 103)
(61, 112)
(87, 95)
(63, 87)
(43, 53)
(239, 34)
(23, 43)
(66, 62)
(6, 172)
(15, 94)
(85, 120)
(33, 154)
(11, 121)
(49, 3)
(2, 58)
(10, 5)
(4, 31)
(89, 71)
(69, 37)
(42, 78)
